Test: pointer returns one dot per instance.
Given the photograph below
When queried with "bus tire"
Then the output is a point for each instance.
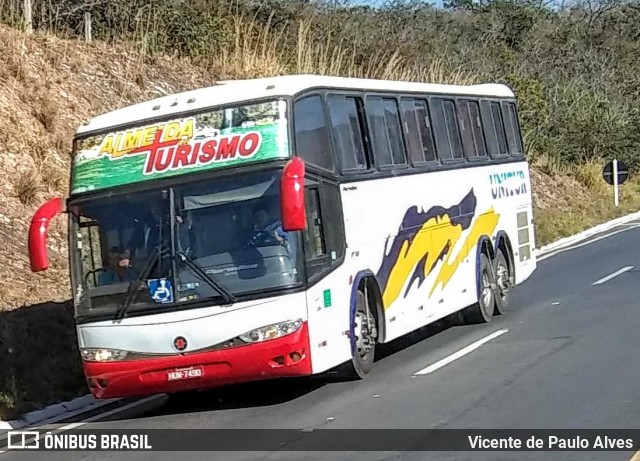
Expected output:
(482, 311)
(504, 282)
(363, 352)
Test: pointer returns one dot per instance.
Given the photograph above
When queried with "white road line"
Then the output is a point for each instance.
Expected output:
(610, 276)
(589, 242)
(461, 353)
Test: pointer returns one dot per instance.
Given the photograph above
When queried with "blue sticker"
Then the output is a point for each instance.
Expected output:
(160, 290)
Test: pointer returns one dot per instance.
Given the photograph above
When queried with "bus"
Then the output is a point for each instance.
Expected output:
(287, 226)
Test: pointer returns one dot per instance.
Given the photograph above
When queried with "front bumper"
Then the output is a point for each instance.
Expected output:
(288, 356)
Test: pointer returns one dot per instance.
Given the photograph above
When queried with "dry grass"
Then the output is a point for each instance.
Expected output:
(571, 198)
(254, 52)
(259, 51)
(27, 187)
(47, 113)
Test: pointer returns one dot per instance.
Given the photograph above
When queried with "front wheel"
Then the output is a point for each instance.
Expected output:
(482, 311)
(365, 336)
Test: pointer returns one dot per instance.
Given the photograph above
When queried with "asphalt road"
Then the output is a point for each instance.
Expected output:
(569, 360)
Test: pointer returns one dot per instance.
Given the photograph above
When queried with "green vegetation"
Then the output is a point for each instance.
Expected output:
(574, 68)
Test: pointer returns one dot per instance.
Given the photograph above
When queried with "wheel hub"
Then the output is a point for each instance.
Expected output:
(504, 282)
(364, 334)
(487, 290)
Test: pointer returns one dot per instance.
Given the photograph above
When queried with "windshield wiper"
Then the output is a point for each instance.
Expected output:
(134, 286)
(227, 296)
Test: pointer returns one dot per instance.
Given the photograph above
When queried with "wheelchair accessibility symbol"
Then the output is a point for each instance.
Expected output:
(160, 290)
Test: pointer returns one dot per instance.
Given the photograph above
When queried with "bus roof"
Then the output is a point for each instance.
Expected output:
(234, 91)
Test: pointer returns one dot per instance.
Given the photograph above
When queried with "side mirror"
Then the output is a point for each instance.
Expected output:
(38, 254)
(292, 204)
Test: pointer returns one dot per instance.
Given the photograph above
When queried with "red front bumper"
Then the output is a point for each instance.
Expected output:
(265, 360)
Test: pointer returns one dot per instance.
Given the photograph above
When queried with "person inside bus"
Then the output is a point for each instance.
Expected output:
(152, 230)
(267, 231)
(186, 234)
(118, 268)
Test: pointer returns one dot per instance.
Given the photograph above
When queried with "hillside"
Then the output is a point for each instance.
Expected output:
(49, 85)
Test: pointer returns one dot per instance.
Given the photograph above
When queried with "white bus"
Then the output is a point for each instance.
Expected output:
(284, 226)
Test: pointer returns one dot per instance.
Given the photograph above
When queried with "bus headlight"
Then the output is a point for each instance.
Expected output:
(102, 355)
(276, 330)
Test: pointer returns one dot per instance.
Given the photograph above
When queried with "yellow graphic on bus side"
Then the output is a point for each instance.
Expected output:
(426, 238)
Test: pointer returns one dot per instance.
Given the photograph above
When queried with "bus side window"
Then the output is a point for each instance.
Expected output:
(311, 133)
(471, 128)
(499, 129)
(386, 134)
(510, 115)
(347, 130)
(447, 131)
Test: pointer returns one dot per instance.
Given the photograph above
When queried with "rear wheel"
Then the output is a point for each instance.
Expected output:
(504, 282)
(482, 311)
(365, 337)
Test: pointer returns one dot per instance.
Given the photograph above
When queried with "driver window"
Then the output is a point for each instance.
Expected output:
(314, 242)
(89, 243)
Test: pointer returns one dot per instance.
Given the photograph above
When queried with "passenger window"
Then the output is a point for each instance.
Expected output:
(384, 124)
(412, 132)
(347, 132)
(471, 129)
(311, 133)
(499, 128)
(392, 118)
(424, 126)
(447, 132)
(513, 129)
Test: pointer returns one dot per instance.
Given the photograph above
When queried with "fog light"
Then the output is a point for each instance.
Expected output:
(295, 356)
(279, 360)
(91, 382)
(103, 383)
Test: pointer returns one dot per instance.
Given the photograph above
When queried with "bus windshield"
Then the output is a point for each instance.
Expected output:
(206, 240)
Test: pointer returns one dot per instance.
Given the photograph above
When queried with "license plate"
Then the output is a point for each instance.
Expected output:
(184, 374)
